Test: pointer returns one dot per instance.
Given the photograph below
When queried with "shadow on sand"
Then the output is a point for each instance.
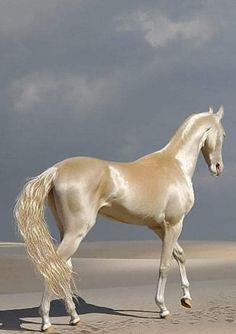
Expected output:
(14, 319)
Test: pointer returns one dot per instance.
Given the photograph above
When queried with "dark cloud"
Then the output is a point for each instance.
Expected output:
(114, 79)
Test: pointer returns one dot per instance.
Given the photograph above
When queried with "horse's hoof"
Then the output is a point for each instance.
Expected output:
(75, 321)
(166, 315)
(186, 302)
(45, 327)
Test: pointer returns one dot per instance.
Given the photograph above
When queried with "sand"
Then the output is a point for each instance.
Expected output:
(117, 282)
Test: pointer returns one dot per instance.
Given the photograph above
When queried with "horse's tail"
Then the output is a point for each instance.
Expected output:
(29, 216)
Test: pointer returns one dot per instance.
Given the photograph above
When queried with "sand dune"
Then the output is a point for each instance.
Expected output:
(117, 282)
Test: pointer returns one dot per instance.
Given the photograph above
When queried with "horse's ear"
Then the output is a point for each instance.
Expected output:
(220, 113)
(210, 110)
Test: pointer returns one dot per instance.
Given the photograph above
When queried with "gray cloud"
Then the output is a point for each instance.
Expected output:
(25, 19)
(158, 29)
(72, 91)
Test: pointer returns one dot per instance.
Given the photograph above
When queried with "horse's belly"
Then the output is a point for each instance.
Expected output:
(124, 215)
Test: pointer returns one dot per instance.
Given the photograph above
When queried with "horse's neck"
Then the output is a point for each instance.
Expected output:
(187, 142)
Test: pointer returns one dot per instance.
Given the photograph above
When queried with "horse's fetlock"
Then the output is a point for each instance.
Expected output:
(185, 286)
(159, 300)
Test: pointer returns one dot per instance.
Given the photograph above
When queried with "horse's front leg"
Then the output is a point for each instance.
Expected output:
(171, 234)
(179, 256)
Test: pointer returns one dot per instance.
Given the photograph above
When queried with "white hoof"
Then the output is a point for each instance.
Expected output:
(75, 321)
(165, 315)
(45, 327)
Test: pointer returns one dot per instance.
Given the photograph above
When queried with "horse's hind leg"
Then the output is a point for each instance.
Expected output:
(67, 248)
(73, 228)
(179, 256)
(70, 305)
(44, 308)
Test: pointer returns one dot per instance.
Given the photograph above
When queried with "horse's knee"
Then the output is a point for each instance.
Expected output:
(186, 285)
(163, 270)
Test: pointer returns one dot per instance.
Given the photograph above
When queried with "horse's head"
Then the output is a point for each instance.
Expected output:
(212, 147)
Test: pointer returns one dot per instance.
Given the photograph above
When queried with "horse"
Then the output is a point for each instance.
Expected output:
(155, 190)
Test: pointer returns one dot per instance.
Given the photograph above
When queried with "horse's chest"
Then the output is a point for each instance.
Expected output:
(181, 200)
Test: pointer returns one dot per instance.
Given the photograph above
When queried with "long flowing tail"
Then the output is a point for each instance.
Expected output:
(29, 216)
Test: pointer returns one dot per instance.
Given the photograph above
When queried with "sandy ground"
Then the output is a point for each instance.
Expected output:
(117, 282)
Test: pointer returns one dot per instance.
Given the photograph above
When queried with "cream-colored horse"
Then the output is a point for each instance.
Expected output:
(155, 190)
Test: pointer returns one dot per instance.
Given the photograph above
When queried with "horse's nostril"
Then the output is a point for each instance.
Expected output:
(218, 168)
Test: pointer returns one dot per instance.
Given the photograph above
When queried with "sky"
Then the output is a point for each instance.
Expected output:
(114, 79)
